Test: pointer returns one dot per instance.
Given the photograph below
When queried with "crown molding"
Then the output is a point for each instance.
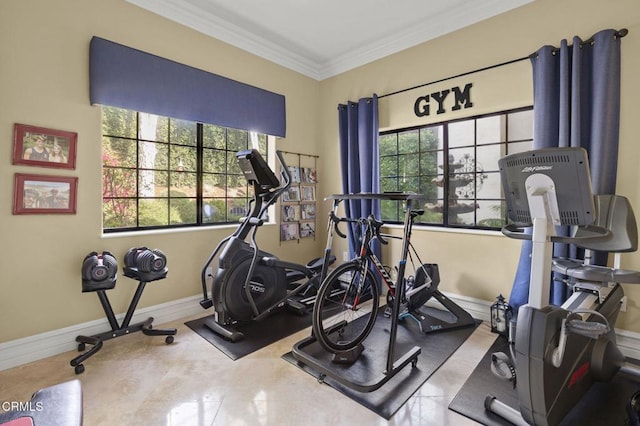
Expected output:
(451, 20)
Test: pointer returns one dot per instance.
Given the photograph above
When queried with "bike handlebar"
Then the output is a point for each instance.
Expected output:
(369, 221)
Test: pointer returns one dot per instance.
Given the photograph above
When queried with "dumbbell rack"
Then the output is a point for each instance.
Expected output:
(125, 328)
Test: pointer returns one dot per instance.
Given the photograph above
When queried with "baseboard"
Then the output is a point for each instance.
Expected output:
(43, 345)
(628, 341)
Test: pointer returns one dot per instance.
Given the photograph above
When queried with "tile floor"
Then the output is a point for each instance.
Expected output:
(139, 380)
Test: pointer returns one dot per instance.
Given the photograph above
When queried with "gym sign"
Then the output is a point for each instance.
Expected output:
(459, 97)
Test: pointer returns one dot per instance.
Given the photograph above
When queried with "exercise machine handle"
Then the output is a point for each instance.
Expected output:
(336, 221)
(375, 226)
(285, 169)
(588, 232)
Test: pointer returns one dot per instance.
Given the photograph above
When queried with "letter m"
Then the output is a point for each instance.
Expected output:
(462, 97)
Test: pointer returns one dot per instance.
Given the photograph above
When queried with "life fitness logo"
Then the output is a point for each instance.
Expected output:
(28, 406)
(533, 169)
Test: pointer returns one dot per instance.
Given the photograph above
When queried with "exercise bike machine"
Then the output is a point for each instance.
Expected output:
(250, 284)
(561, 350)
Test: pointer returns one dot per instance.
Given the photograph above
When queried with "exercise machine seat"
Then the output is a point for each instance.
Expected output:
(59, 404)
(614, 213)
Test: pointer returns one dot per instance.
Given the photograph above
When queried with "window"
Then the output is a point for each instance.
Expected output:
(160, 172)
(465, 190)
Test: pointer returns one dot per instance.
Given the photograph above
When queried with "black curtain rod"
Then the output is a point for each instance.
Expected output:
(620, 33)
(455, 76)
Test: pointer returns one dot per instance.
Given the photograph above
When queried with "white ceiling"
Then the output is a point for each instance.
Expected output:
(322, 38)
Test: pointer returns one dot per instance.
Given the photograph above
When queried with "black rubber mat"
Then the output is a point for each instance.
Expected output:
(604, 404)
(257, 335)
(436, 348)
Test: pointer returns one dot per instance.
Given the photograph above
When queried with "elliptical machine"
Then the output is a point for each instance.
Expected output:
(561, 350)
(250, 284)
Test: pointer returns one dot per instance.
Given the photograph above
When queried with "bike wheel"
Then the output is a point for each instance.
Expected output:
(349, 301)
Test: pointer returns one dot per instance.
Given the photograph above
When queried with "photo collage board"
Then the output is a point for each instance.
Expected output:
(298, 204)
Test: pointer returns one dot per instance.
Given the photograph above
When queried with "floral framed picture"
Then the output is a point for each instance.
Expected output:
(40, 194)
(38, 146)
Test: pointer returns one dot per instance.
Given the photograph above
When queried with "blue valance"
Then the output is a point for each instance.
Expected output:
(129, 78)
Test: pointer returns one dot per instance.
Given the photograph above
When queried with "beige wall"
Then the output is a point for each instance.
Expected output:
(44, 81)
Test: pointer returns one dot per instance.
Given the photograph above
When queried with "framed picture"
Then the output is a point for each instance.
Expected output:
(308, 211)
(40, 194)
(308, 193)
(307, 229)
(290, 213)
(295, 174)
(289, 231)
(292, 194)
(308, 175)
(37, 146)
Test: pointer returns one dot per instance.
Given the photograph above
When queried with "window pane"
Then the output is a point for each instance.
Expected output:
(408, 165)
(213, 185)
(184, 184)
(119, 122)
(389, 184)
(183, 211)
(119, 213)
(431, 187)
(118, 152)
(461, 160)
(491, 214)
(152, 155)
(237, 209)
(461, 133)
(431, 138)
(184, 132)
(389, 166)
(153, 128)
(409, 184)
(520, 125)
(214, 161)
(183, 158)
(237, 140)
(408, 142)
(462, 214)
(214, 136)
(214, 210)
(489, 186)
(433, 212)
(487, 157)
(388, 144)
(232, 164)
(491, 129)
(118, 182)
(152, 183)
(153, 212)
(390, 211)
(431, 162)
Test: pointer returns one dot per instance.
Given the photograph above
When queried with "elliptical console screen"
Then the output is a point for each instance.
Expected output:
(255, 169)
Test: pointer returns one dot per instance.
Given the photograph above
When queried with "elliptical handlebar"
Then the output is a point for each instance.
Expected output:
(285, 170)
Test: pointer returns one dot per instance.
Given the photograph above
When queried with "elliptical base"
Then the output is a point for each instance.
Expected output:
(222, 331)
